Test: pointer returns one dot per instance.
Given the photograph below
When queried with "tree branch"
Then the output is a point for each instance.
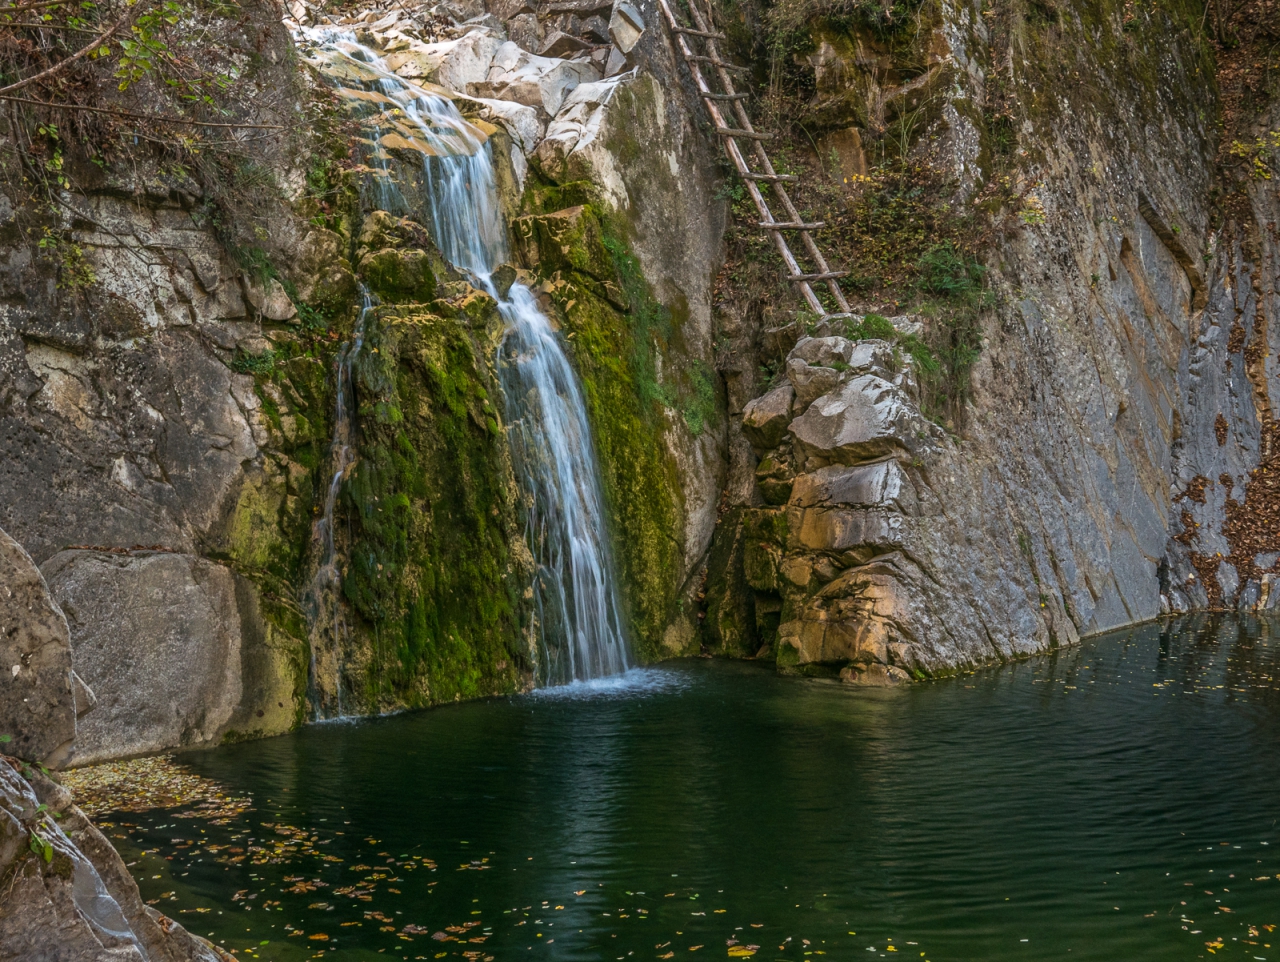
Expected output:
(32, 6)
(45, 26)
(84, 51)
(127, 115)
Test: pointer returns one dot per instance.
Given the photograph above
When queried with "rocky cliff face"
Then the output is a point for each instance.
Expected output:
(1118, 350)
(1050, 416)
(168, 383)
(67, 894)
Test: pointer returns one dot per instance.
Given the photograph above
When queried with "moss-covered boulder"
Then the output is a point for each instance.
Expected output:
(435, 573)
(570, 240)
(399, 275)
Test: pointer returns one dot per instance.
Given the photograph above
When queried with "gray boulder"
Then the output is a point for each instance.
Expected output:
(823, 351)
(73, 900)
(626, 26)
(765, 420)
(811, 381)
(880, 484)
(37, 690)
(158, 637)
(866, 418)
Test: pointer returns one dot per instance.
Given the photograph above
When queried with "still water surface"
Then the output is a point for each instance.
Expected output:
(1118, 800)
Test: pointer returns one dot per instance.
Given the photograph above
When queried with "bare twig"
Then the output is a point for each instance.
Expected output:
(45, 26)
(94, 44)
(33, 6)
(128, 115)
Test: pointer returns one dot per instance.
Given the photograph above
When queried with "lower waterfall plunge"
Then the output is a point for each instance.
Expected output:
(579, 624)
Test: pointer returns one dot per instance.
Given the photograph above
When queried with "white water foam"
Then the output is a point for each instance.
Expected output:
(633, 683)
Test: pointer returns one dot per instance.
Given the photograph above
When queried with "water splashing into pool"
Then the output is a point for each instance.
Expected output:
(580, 628)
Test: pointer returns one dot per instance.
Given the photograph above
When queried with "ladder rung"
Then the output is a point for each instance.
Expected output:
(725, 96)
(748, 134)
(828, 276)
(699, 33)
(790, 225)
(716, 62)
(771, 178)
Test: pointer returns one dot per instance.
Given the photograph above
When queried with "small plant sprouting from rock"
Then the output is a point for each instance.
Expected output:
(258, 364)
(74, 271)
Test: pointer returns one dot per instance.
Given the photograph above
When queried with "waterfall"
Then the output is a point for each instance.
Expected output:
(579, 624)
(324, 605)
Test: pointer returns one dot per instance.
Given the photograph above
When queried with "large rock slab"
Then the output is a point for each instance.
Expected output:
(37, 697)
(526, 78)
(880, 484)
(626, 26)
(578, 125)
(450, 63)
(157, 635)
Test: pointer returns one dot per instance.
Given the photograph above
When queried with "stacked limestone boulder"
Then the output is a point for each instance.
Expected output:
(845, 562)
(827, 549)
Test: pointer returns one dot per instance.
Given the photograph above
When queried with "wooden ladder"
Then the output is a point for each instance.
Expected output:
(702, 30)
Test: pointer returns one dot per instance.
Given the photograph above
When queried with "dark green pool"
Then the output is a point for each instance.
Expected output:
(1116, 801)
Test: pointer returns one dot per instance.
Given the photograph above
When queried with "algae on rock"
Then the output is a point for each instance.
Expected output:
(614, 331)
(434, 573)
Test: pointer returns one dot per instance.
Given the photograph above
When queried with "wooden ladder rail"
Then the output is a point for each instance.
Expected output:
(703, 28)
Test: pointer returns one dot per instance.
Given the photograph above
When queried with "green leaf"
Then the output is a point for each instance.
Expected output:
(41, 848)
(5, 739)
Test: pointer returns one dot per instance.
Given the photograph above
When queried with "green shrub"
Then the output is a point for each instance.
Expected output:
(245, 363)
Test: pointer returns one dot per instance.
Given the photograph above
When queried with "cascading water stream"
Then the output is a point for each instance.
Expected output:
(579, 621)
(323, 595)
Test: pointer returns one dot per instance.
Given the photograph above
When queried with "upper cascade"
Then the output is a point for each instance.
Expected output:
(579, 624)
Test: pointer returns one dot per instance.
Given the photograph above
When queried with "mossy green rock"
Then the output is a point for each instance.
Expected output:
(434, 576)
(399, 275)
(570, 240)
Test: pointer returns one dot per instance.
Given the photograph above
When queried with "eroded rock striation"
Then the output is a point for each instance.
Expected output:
(1110, 459)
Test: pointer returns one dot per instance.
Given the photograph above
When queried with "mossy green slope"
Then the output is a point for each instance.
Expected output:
(432, 575)
(614, 330)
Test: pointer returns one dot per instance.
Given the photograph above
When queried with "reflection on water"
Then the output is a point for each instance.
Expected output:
(1112, 801)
